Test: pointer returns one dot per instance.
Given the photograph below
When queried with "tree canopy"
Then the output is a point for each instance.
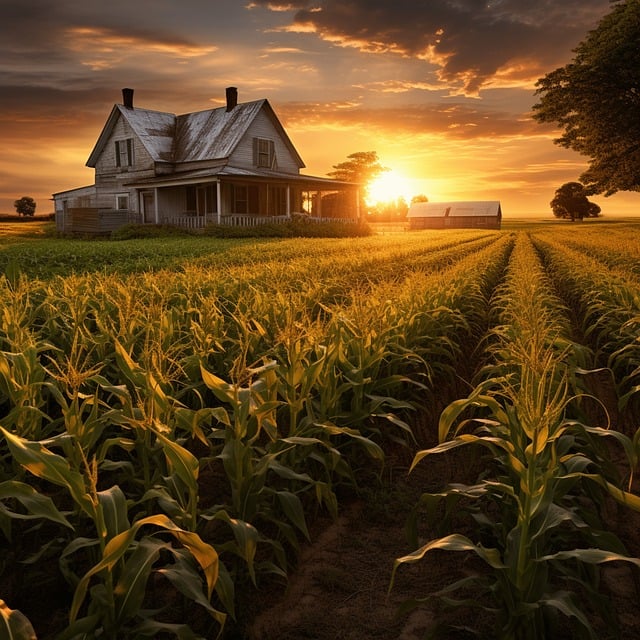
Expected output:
(596, 100)
(571, 202)
(362, 167)
(25, 206)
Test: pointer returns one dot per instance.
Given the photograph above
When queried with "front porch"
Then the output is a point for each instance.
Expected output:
(245, 201)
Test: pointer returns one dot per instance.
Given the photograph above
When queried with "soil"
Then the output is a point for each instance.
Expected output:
(340, 588)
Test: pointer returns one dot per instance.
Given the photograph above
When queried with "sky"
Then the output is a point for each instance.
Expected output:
(442, 90)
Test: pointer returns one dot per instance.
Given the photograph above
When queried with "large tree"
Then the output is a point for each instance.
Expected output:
(362, 167)
(571, 202)
(596, 100)
(25, 206)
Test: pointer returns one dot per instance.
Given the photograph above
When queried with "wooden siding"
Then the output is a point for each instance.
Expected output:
(262, 127)
(94, 221)
(112, 177)
(459, 222)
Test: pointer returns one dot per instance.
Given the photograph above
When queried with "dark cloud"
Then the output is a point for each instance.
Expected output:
(470, 40)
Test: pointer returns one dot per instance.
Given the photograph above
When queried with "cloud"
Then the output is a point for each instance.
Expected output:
(450, 120)
(472, 43)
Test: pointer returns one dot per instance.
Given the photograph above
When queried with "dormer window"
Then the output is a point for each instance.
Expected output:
(124, 153)
(264, 153)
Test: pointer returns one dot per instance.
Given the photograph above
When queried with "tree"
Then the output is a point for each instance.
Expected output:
(362, 167)
(571, 202)
(596, 100)
(419, 198)
(390, 211)
(25, 206)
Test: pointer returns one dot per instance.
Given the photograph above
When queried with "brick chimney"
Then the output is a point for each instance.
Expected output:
(127, 98)
(232, 98)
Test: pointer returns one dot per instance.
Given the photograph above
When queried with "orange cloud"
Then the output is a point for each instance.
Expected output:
(109, 48)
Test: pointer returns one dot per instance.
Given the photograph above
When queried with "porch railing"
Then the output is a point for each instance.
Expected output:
(241, 220)
(247, 220)
(187, 222)
(314, 219)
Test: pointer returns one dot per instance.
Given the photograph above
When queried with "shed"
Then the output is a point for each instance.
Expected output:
(481, 214)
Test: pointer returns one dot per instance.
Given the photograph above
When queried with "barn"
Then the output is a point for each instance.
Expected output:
(482, 214)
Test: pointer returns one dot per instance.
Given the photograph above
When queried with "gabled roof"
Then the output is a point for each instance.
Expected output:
(203, 135)
(455, 209)
(156, 130)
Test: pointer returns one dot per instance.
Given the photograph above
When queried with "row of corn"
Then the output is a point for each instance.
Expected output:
(535, 515)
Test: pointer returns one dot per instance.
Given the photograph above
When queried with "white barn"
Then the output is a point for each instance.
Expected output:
(481, 214)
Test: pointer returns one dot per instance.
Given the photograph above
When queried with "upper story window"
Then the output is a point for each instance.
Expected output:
(124, 153)
(264, 153)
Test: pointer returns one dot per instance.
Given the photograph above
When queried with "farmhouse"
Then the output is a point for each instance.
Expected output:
(486, 214)
(231, 165)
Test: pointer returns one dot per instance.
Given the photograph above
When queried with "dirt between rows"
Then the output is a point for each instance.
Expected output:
(340, 588)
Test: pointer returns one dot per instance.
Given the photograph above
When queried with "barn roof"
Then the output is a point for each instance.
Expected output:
(203, 135)
(478, 208)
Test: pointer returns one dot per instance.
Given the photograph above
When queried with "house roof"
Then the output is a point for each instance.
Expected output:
(78, 191)
(203, 135)
(477, 208)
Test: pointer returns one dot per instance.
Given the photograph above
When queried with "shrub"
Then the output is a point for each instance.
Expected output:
(137, 231)
(297, 228)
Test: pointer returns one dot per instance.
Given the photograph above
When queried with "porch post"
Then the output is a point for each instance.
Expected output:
(218, 201)
(288, 201)
(155, 204)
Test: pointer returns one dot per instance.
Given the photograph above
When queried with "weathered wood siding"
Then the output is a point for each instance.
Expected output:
(110, 179)
(457, 222)
(263, 127)
(94, 221)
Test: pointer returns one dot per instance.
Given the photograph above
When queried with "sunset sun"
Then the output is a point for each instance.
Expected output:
(388, 187)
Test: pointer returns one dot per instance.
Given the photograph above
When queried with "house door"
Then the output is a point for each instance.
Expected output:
(148, 207)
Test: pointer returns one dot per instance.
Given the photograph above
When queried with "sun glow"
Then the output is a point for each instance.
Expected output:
(388, 187)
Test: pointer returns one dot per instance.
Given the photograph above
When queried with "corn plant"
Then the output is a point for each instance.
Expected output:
(609, 309)
(124, 563)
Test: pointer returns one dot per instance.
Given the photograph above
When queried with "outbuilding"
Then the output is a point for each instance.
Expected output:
(481, 214)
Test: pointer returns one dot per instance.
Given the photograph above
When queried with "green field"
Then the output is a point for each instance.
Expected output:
(177, 415)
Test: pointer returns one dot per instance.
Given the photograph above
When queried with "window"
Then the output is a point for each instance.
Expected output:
(122, 201)
(264, 153)
(277, 201)
(124, 153)
(245, 199)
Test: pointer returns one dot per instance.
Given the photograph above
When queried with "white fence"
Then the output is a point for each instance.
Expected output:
(243, 220)
(247, 220)
(187, 222)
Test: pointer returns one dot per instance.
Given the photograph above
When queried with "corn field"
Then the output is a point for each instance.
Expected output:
(175, 415)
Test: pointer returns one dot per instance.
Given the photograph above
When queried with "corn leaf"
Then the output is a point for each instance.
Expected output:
(44, 464)
(130, 589)
(114, 511)
(115, 549)
(14, 625)
(292, 508)
(38, 505)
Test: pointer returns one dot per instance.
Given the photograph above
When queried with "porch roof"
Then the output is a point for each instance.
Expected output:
(228, 173)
